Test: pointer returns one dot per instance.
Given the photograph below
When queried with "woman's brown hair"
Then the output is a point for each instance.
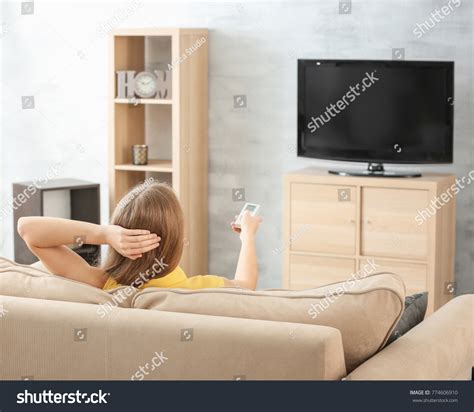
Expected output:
(156, 208)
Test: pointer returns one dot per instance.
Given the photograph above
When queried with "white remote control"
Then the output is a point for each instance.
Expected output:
(252, 208)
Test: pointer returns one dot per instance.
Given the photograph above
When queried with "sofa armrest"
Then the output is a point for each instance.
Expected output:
(439, 348)
(52, 340)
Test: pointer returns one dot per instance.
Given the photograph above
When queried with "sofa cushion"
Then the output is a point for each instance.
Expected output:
(414, 313)
(37, 283)
(364, 310)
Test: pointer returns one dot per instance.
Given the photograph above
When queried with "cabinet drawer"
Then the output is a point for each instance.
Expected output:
(388, 223)
(308, 272)
(322, 218)
(413, 274)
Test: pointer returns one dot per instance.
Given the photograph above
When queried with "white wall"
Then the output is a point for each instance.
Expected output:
(59, 55)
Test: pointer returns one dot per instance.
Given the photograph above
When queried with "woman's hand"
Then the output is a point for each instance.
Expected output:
(131, 243)
(248, 225)
(246, 273)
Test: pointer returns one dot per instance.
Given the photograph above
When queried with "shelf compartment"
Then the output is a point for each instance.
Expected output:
(154, 165)
(143, 101)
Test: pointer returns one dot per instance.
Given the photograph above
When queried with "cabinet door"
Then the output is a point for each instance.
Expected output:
(413, 274)
(388, 223)
(322, 218)
(308, 272)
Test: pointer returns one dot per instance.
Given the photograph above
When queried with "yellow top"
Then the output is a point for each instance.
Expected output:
(175, 279)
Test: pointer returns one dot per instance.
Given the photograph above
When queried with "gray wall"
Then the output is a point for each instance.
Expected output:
(59, 55)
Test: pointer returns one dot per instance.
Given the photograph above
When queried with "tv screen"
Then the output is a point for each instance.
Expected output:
(376, 111)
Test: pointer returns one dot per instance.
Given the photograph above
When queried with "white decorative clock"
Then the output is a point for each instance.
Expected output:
(145, 85)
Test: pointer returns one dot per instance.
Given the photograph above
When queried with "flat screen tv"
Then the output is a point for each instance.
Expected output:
(376, 112)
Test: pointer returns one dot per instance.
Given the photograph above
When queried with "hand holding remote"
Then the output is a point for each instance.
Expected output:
(248, 225)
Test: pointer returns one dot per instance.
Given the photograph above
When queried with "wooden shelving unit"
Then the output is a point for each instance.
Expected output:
(175, 129)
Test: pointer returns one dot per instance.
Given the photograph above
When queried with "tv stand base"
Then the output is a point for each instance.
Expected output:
(375, 170)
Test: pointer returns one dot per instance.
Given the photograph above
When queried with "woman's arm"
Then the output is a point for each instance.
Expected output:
(47, 238)
(246, 274)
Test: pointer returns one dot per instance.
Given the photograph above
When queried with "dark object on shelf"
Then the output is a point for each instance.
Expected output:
(414, 313)
(82, 202)
(140, 154)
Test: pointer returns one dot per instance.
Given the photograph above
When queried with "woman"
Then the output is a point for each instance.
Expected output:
(146, 242)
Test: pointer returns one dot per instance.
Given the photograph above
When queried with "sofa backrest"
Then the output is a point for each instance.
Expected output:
(68, 341)
(364, 310)
(35, 282)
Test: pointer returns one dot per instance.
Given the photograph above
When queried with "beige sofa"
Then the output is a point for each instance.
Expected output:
(57, 329)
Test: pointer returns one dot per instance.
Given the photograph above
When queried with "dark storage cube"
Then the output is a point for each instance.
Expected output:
(80, 201)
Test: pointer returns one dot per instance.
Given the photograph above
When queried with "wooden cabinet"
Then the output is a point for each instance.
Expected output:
(333, 225)
(319, 221)
(388, 226)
